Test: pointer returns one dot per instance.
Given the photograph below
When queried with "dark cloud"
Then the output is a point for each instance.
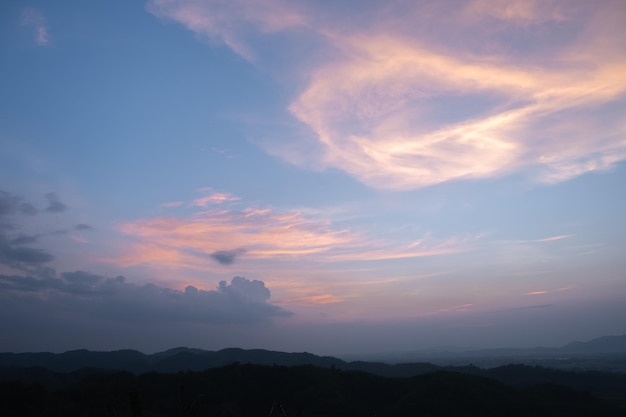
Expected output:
(227, 257)
(83, 226)
(8, 203)
(26, 208)
(13, 253)
(54, 204)
(14, 249)
(242, 301)
(15, 256)
(25, 239)
(13, 204)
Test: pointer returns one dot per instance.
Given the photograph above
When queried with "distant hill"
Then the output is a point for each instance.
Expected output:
(576, 355)
(601, 345)
(602, 354)
(186, 359)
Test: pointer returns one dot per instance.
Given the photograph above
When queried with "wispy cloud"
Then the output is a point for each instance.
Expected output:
(554, 238)
(312, 300)
(475, 95)
(35, 20)
(211, 198)
(227, 22)
(262, 234)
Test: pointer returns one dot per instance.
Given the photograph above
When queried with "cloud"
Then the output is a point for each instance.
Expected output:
(227, 22)
(438, 93)
(227, 257)
(520, 11)
(13, 204)
(26, 208)
(242, 301)
(17, 256)
(261, 233)
(35, 20)
(14, 249)
(212, 198)
(82, 226)
(54, 204)
(554, 238)
(25, 239)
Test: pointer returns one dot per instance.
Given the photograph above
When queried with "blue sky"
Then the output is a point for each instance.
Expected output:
(378, 177)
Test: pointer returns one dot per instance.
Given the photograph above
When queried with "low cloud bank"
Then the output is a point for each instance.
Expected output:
(240, 301)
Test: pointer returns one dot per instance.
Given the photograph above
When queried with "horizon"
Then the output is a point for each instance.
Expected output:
(346, 356)
(351, 178)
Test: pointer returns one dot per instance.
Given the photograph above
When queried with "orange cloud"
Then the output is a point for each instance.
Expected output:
(373, 109)
(313, 300)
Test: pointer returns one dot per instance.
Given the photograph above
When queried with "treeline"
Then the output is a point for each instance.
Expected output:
(256, 390)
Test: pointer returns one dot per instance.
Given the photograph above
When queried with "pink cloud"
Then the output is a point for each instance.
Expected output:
(212, 198)
(35, 20)
(172, 204)
(227, 21)
(313, 300)
(554, 238)
(382, 95)
(226, 234)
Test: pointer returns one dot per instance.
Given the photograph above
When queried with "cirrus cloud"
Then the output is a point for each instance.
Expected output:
(259, 234)
(475, 95)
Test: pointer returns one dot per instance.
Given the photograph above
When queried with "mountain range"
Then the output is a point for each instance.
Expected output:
(605, 353)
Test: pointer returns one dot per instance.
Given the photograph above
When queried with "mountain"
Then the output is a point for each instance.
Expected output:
(186, 359)
(308, 391)
(601, 345)
(604, 354)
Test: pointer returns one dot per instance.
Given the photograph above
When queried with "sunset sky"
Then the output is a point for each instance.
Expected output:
(332, 177)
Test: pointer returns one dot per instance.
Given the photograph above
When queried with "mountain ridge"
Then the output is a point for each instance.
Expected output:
(194, 359)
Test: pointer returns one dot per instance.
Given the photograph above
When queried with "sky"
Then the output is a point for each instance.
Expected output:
(331, 177)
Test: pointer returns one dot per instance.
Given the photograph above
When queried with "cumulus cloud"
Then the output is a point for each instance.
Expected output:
(437, 93)
(241, 301)
(54, 204)
(35, 20)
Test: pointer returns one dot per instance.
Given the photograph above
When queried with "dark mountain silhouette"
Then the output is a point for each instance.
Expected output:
(185, 359)
(241, 390)
(574, 356)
